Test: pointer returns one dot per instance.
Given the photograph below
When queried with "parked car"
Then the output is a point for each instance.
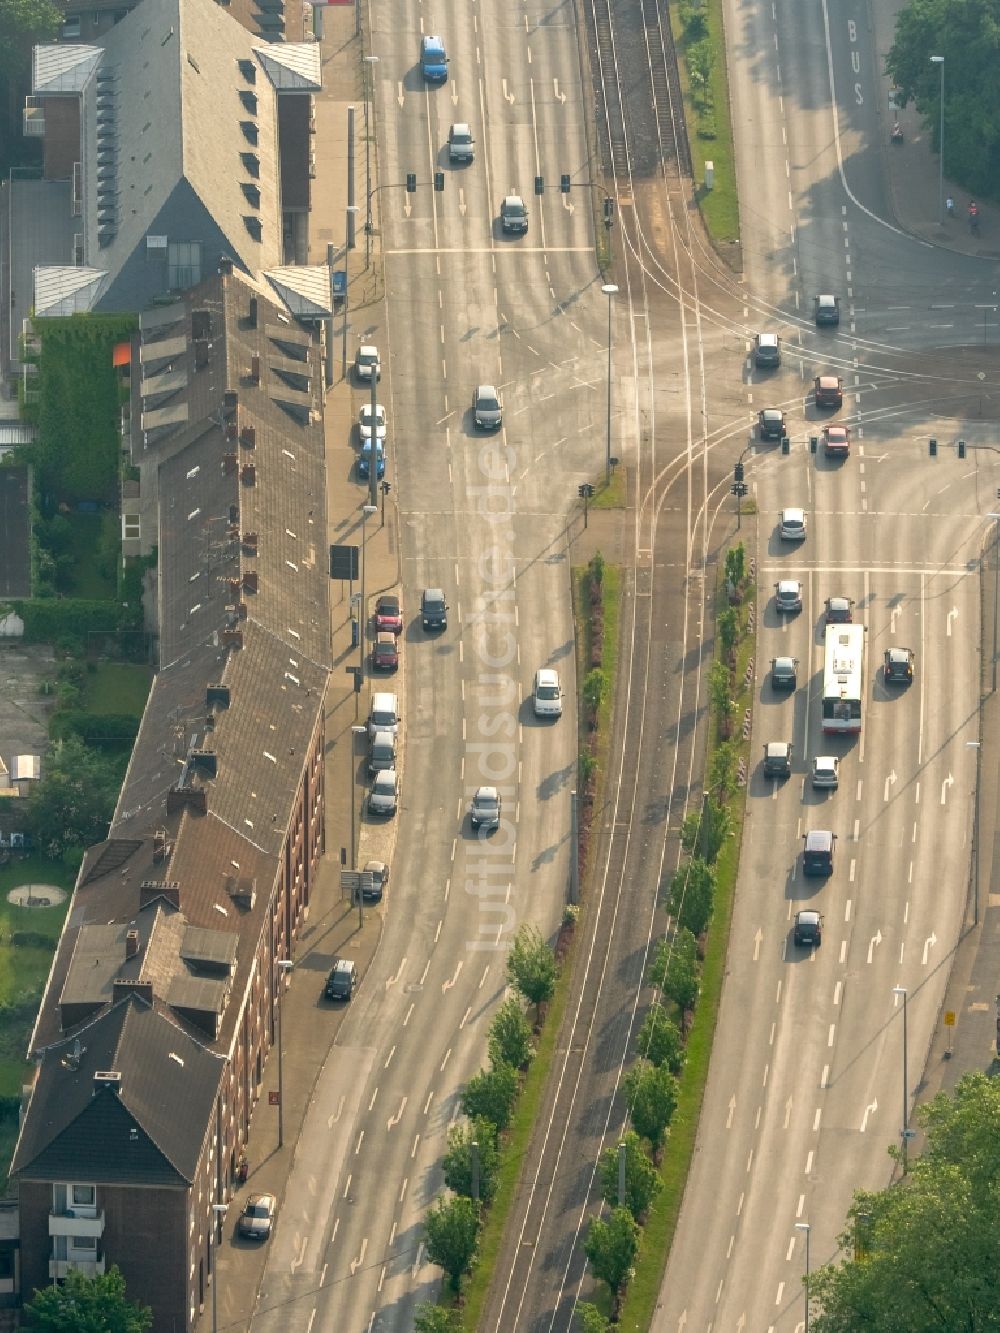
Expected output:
(367, 363)
(484, 812)
(826, 309)
(898, 665)
(767, 350)
(383, 797)
(257, 1217)
(389, 613)
(385, 652)
(365, 460)
(379, 871)
(513, 215)
(381, 752)
(828, 391)
(771, 423)
(342, 979)
(365, 417)
(808, 929)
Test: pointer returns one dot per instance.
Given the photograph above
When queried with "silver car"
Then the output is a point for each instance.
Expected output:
(257, 1217)
(382, 797)
(826, 772)
(793, 524)
(460, 143)
(484, 812)
(788, 595)
(486, 407)
(367, 363)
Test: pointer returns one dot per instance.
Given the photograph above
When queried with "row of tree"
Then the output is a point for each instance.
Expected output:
(473, 1157)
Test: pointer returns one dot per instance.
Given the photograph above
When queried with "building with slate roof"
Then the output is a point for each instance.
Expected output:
(161, 1004)
(185, 139)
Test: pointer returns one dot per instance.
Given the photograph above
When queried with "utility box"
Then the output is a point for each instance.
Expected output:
(709, 175)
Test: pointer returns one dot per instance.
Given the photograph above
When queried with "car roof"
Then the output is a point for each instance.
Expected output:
(433, 40)
(826, 298)
(792, 513)
(767, 339)
(434, 594)
(547, 676)
(787, 584)
(513, 199)
(818, 839)
(808, 917)
(385, 638)
(487, 794)
(261, 1198)
(487, 391)
(827, 380)
(772, 412)
(460, 127)
(826, 761)
(779, 745)
(838, 601)
(901, 653)
(386, 778)
(368, 349)
(388, 599)
(784, 661)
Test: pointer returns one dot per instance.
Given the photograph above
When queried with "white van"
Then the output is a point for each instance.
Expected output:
(383, 714)
(548, 693)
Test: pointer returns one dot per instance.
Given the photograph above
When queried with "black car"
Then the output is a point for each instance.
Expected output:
(342, 980)
(783, 675)
(767, 351)
(827, 309)
(898, 665)
(771, 423)
(839, 611)
(514, 215)
(433, 609)
(808, 930)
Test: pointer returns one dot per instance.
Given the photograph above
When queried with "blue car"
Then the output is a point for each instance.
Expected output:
(365, 459)
(433, 61)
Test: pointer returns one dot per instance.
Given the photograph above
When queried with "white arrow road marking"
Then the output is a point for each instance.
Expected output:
(399, 971)
(929, 943)
(297, 1261)
(682, 1321)
(447, 985)
(462, 206)
(567, 204)
(407, 210)
(560, 97)
(893, 617)
(334, 1118)
(393, 1121)
(454, 93)
(952, 615)
(757, 943)
(788, 1112)
(356, 1263)
(399, 92)
(732, 1108)
(948, 782)
(416, 1263)
(509, 97)
(870, 1109)
(889, 782)
(875, 940)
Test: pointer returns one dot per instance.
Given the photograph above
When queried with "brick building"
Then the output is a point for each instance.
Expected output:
(163, 998)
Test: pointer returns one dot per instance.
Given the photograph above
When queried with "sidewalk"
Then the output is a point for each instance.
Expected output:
(914, 169)
(332, 929)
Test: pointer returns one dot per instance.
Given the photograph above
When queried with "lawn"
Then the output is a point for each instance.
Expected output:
(116, 687)
(88, 579)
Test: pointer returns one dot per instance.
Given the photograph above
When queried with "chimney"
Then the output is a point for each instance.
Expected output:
(230, 464)
(253, 312)
(248, 437)
(107, 1078)
(250, 580)
(255, 368)
(225, 265)
(132, 936)
(232, 638)
(250, 543)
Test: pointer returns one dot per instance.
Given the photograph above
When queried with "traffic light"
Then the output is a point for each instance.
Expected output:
(539, 185)
(786, 445)
(961, 448)
(609, 212)
(439, 181)
(738, 472)
(813, 443)
(932, 446)
(386, 487)
(411, 182)
(564, 182)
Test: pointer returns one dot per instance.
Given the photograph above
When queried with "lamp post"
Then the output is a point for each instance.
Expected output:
(897, 991)
(351, 210)
(939, 61)
(610, 289)
(283, 965)
(806, 1227)
(366, 513)
(219, 1211)
(371, 62)
(978, 747)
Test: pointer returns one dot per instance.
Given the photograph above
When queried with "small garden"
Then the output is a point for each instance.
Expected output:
(699, 35)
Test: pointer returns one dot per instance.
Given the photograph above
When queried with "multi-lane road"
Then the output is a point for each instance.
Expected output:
(804, 1092)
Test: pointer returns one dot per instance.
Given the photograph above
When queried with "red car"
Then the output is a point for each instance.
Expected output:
(385, 652)
(389, 614)
(836, 441)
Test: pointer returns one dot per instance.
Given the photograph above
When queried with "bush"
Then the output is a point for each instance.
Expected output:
(31, 939)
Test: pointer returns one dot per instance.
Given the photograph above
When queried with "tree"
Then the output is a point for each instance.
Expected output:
(720, 692)
(436, 1319)
(595, 685)
(590, 1319)
(88, 1305)
(642, 1181)
(675, 969)
(23, 24)
(611, 1248)
(691, 894)
(532, 968)
(71, 806)
(729, 631)
(510, 1036)
(651, 1093)
(923, 1252)
(723, 769)
(704, 831)
(736, 565)
(458, 1159)
(451, 1231)
(966, 35)
(489, 1095)
(660, 1040)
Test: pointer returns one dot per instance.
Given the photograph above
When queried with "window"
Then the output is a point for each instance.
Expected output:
(183, 264)
(71, 27)
(83, 1243)
(84, 1196)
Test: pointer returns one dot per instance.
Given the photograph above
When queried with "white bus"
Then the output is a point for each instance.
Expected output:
(843, 678)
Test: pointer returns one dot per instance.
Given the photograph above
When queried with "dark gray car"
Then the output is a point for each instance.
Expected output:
(433, 609)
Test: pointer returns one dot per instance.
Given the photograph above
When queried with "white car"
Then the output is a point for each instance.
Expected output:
(484, 812)
(826, 772)
(365, 421)
(367, 363)
(793, 524)
(788, 595)
(547, 693)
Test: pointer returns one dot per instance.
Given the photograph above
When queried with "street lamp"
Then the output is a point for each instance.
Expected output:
(805, 1226)
(371, 62)
(978, 747)
(366, 513)
(219, 1211)
(610, 289)
(939, 60)
(283, 965)
(352, 209)
(897, 991)
(996, 574)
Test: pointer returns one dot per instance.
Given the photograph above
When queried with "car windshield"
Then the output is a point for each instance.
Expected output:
(486, 801)
(548, 691)
(367, 358)
(388, 606)
(461, 136)
(488, 402)
(515, 208)
(259, 1209)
